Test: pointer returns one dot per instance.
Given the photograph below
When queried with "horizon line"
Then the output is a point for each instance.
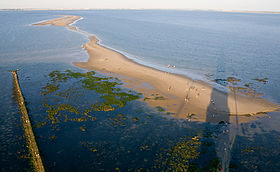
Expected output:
(179, 9)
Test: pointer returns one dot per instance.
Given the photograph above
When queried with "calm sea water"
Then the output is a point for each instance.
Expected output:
(202, 45)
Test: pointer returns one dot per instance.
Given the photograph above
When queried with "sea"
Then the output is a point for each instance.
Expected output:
(81, 126)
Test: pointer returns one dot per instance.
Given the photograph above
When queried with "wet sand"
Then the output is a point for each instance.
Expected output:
(179, 95)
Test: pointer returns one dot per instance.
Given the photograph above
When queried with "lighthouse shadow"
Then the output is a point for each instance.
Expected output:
(217, 110)
(218, 113)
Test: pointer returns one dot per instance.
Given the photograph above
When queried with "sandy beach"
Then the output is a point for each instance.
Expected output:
(179, 95)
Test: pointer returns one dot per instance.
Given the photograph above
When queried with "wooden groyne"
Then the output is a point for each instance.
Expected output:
(30, 138)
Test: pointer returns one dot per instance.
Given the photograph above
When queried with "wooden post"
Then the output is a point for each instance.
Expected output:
(30, 138)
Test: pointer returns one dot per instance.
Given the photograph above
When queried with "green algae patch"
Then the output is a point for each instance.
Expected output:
(179, 156)
(146, 98)
(50, 88)
(160, 109)
(263, 80)
(238, 86)
(144, 148)
(63, 93)
(249, 149)
(135, 119)
(186, 155)
(154, 97)
(102, 107)
(82, 129)
(233, 80)
(118, 121)
(159, 98)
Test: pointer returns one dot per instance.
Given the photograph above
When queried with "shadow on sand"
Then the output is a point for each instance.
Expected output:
(218, 113)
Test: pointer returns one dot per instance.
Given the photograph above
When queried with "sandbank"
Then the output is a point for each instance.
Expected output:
(179, 95)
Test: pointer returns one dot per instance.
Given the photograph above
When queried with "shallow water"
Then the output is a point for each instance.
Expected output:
(203, 45)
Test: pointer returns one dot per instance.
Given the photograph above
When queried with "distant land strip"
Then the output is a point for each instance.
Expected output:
(57, 9)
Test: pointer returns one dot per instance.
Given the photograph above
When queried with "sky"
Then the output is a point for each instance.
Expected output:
(250, 5)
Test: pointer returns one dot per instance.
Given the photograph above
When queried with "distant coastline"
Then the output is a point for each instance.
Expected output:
(58, 9)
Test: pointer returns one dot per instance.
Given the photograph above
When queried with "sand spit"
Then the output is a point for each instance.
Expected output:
(180, 96)
(65, 21)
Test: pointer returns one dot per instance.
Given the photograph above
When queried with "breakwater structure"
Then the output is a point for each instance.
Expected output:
(29, 135)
